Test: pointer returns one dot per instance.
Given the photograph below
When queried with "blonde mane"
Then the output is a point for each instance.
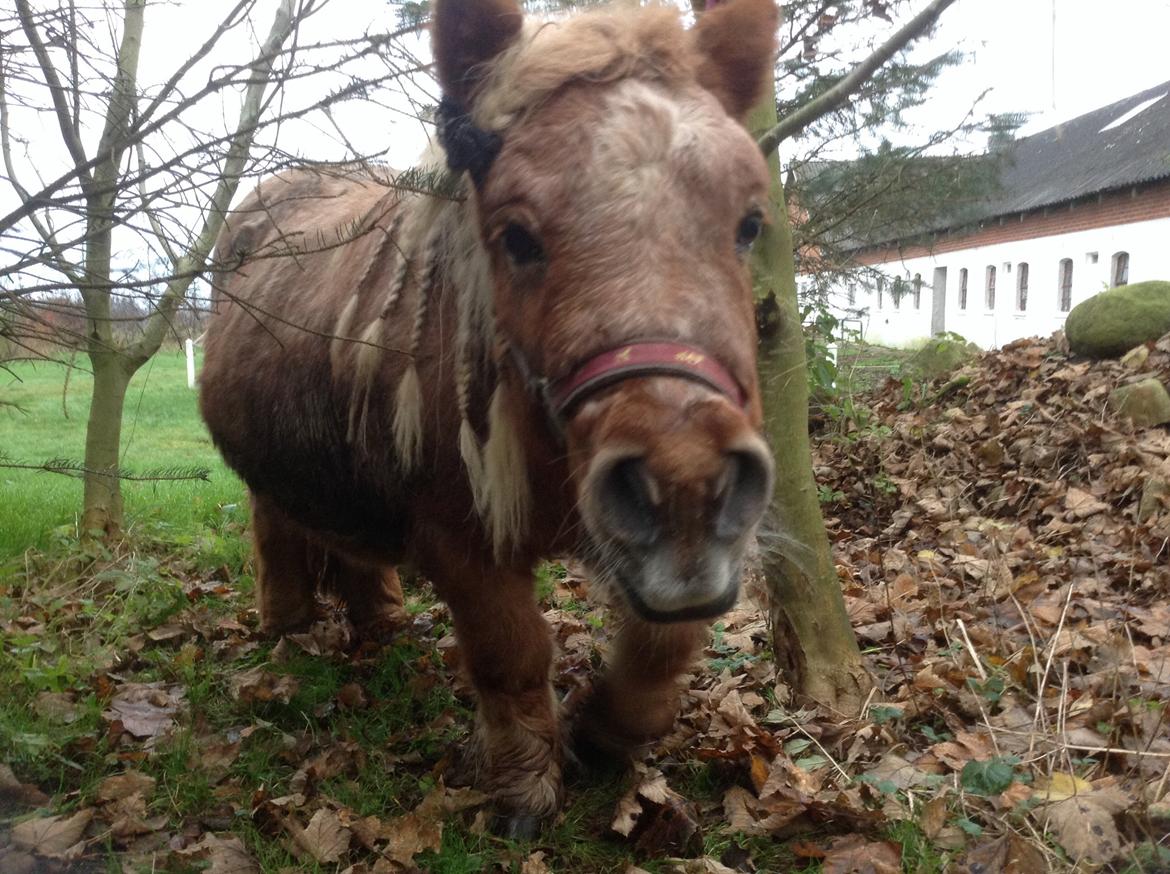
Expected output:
(600, 46)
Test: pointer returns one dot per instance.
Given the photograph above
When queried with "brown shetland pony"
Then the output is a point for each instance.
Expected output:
(559, 360)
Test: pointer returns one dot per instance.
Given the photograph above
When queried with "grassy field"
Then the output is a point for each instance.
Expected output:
(161, 429)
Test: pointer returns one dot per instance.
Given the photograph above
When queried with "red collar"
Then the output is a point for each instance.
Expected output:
(643, 358)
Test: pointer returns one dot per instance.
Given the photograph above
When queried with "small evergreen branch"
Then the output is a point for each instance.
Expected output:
(69, 467)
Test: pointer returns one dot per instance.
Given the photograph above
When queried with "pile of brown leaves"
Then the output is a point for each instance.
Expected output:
(1003, 540)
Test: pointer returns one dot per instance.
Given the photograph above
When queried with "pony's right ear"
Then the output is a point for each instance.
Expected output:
(737, 43)
(466, 35)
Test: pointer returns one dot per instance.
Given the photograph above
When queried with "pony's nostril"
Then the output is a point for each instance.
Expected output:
(742, 491)
(630, 500)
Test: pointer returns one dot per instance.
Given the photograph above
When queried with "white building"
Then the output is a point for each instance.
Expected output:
(1084, 206)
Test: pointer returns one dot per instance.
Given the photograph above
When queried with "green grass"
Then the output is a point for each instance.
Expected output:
(862, 367)
(39, 420)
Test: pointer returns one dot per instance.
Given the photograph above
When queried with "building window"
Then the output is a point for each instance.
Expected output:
(852, 294)
(990, 293)
(917, 291)
(1022, 286)
(1120, 271)
(1065, 284)
(963, 288)
(898, 290)
(881, 288)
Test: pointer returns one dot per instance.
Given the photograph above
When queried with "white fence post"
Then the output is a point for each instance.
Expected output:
(189, 345)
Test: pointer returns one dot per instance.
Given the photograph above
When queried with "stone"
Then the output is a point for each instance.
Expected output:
(941, 356)
(1145, 403)
(1136, 358)
(1113, 322)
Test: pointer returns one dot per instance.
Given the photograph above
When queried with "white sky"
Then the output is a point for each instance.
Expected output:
(1054, 59)
(1104, 50)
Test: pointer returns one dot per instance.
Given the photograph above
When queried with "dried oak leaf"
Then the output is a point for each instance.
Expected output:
(706, 865)
(124, 785)
(411, 834)
(1083, 824)
(54, 836)
(57, 707)
(1081, 505)
(258, 685)
(227, 855)
(13, 792)
(853, 854)
(657, 819)
(324, 838)
(351, 696)
(933, 816)
(1009, 854)
(754, 816)
(146, 710)
(534, 864)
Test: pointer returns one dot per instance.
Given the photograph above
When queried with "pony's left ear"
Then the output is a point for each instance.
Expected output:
(465, 36)
(737, 43)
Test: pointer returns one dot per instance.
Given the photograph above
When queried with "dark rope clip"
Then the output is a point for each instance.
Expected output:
(468, 147)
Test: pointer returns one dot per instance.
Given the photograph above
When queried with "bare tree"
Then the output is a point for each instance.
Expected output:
(117, 217)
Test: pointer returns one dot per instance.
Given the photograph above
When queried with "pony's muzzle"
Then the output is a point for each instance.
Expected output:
(674, 543)
(633, 509)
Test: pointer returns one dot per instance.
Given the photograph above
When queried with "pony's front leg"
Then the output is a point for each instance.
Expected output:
(636, 700)
(507, 649)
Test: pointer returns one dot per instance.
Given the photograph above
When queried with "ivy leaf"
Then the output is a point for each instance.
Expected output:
(989, 777)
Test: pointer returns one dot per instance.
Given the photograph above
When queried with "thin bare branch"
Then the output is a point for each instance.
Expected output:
(840, 93)
(57, 91)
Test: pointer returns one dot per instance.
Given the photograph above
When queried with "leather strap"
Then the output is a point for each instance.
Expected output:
(648, 358)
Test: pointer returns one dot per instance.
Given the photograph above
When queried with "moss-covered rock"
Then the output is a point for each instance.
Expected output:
(1146, 402)
(941, 356)
(1113, 322)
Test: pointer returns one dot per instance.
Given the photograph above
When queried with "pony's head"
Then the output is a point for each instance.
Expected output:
(618, 196)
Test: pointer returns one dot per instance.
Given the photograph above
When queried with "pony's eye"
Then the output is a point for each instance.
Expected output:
(749, 228)
(522, 247)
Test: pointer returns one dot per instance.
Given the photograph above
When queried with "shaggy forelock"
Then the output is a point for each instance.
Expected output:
(603, 46)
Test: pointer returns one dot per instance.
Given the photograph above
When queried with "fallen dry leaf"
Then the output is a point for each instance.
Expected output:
(13, 792)
(146, 710)
(324, 838)
(53, 836)
(1081, 505)
(58, 707)
(261, 685)
(652, 787)
(655, 818)
(933, 816)
(1059, 786)
(411, 834)
(1083, 825)
(854, 854)
(1006, 854)
(123, 785)
(534, 864)
(705, 865)
(351, 696)
(226, 855)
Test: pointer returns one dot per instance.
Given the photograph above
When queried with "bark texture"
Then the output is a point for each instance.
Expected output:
(812, 639)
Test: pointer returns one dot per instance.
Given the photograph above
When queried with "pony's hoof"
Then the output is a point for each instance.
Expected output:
(517, 826)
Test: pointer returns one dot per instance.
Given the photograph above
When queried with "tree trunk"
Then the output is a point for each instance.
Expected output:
(812, 639)
(102, 504)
